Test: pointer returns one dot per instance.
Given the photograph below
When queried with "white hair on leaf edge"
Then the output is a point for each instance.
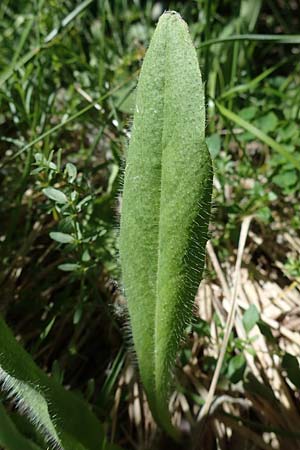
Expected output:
(32, 404)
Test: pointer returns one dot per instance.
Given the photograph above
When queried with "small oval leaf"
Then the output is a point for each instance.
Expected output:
(55, 194)
(71, 171)
(69, 267)
(250, 318)
(62, 238)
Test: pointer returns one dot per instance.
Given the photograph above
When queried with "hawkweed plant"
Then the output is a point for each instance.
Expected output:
(165, 207)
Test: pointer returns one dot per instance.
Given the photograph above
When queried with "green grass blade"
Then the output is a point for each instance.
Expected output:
(273, 38)
(70, 119)
(259, 134)
(249, 12)
(23, 39)
(251, 84)
(165, 207)
(68, 19)
(17, 64)
(21, 62)
(14, 62)
(64, 420)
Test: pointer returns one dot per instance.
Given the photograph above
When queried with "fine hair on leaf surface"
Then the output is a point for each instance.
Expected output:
(165, 206)
(10, 437)
(64, 420)
(31, 403)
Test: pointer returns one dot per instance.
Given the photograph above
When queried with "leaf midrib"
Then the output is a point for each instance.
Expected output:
(156, 315)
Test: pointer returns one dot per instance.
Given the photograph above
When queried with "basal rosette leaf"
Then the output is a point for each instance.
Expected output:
(165, 206)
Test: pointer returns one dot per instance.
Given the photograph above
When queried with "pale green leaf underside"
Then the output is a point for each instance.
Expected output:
(165, 205)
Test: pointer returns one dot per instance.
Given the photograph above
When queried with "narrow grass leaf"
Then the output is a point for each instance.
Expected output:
(17, 64)
(252, 84)
(273, 38)
(68, 19)
(259, 134)
(72, 118)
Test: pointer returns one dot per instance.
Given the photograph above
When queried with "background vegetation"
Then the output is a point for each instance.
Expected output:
(68, 71)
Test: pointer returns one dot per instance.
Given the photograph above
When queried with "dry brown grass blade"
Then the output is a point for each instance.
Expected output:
(246, 433)
(230, 319)
(227, 305)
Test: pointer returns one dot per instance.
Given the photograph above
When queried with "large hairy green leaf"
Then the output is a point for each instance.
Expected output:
(10, 436)
(165, 205)
(64, 420)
